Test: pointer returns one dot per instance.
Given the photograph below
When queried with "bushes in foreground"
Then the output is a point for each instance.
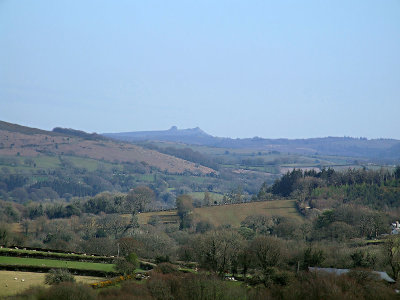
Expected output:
(62, 291)
(204, 287)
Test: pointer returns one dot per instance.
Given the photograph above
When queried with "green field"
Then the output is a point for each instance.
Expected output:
(231, 214)
(22, 261)
(11, 286)
(51, 255)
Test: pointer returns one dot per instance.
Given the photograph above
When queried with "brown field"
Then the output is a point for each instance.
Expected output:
(33, 145)
(165, 216)
(231, 214)
(10, 286)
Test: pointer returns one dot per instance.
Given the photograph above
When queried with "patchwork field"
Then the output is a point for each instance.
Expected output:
(231, 214)
(44, 143)
(11, 286)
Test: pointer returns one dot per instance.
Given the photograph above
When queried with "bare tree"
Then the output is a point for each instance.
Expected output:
(138, 198)
(218, 250)
(268, 254)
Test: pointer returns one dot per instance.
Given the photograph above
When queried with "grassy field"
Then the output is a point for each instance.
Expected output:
(8, 260)
(231, 214)
(10, 286)
(236, 213)
(50, 255)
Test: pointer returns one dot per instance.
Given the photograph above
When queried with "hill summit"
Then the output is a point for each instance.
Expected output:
(189, 135)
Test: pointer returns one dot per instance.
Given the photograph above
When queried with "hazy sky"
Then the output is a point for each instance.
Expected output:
(234, 68)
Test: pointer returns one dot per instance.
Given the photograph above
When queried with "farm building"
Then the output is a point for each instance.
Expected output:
(395, 228)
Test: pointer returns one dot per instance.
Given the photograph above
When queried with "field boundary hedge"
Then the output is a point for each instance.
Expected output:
(63, 256)
(48, 250)
(46, 269)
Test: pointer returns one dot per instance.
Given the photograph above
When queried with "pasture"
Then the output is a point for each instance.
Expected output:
(55, 263)
(231, 214)
(9, 286)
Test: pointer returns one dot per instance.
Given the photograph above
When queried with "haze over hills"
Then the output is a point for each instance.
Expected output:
(188, 136)
(343, 146)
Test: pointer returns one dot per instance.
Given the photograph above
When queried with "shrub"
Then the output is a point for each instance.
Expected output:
(203, 226)
(133, 259)
(281, 278)
(159, 288)
(110, 282)
(70, 291)
(363, 260)
(33, 292)
(329, 286)
(56, 276)
(312, 258)
(166, 268)
(206, 286)
(62, 291)
(162, 259)
(125, 267)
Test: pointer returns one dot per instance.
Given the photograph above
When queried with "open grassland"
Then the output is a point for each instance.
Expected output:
(10, 286)
(22, 261)
(231, 214)
(235, 213)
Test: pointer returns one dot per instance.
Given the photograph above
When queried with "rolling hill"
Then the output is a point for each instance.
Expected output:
(16, 140)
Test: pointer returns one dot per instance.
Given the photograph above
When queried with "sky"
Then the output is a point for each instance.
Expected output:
(292, 69)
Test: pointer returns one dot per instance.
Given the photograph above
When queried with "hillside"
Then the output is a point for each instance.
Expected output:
(16, 140)
(339, 146)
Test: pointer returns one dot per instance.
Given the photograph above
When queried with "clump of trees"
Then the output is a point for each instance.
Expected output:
(329, 189)
(128, 264)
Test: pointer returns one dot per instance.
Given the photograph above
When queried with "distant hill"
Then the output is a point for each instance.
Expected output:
(79, 133)
(339, 146)
(25, 141)
(187, 136)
